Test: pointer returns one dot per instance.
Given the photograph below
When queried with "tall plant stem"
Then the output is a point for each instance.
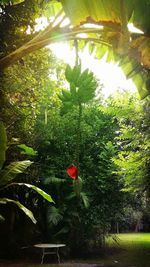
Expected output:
(78, 142)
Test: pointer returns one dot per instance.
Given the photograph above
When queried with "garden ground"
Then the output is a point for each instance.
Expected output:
(122, 250)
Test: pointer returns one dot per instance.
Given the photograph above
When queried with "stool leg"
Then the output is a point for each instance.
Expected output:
(58, 257)
(43, 253)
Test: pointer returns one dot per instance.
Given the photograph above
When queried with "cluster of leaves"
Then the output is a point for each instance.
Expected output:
(82, 86)
(133, 158)
(133, 140)
(22, 88)
(16, 17)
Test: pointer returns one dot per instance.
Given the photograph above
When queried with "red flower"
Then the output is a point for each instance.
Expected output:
(72, 172)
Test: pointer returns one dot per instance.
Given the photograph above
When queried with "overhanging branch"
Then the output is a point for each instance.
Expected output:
(56, 35)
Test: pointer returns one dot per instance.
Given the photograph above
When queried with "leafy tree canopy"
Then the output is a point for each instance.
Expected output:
(130, 49)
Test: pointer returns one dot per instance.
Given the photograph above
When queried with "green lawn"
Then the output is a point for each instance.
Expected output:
(134, 249)
(130, 240)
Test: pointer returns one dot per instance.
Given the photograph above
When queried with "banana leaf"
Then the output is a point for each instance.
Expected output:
(38, 190)
(22, 207)
(12, 170)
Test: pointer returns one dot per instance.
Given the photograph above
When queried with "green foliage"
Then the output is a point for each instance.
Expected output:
(8, 173)
(132, 160)
(21, 207)
(24, 87)
(100, 199)
(133, 141)
(16, 17)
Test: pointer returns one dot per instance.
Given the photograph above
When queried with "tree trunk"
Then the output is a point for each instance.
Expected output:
(117, 227)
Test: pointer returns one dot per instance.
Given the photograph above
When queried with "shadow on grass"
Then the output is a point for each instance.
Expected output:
(134, 250)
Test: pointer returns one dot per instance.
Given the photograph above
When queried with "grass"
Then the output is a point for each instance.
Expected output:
(131, 249)
(130, 240)
(134, 249)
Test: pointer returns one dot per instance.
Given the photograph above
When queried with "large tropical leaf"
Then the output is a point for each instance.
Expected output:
(133, 69)
(14, 168)
(108, 12)
(140, 16)
(3, 143)
(97, 10)
(114, 15)
(26, 150)
(54, 216)
(22, 207)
